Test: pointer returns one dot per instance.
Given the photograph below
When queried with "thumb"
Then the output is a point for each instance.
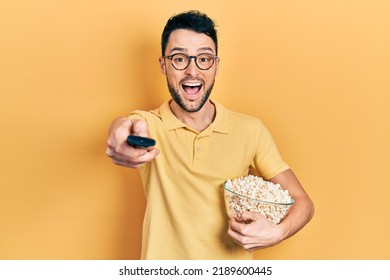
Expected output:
(140, 128)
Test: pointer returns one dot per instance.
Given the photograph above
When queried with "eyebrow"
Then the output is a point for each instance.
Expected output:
(184, 49)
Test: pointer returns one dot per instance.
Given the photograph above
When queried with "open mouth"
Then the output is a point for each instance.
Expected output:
(192, 88)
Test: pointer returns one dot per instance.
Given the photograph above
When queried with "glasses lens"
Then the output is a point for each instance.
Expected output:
(180, 61)
(205, 61)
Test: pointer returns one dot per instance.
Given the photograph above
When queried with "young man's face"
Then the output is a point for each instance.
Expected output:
(191, 87)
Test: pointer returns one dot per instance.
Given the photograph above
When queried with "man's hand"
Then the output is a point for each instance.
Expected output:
(253, 231)
(123, 154)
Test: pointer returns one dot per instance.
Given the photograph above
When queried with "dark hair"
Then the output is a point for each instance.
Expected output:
(190, 20)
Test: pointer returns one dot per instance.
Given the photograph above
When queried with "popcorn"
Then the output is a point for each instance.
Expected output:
(253, 193)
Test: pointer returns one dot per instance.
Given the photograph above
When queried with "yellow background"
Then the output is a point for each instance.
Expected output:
(316, 72)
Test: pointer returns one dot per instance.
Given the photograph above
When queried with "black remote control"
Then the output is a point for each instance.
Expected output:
(140, 142)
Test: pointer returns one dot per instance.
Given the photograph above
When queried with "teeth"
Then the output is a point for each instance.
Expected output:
(189, 84)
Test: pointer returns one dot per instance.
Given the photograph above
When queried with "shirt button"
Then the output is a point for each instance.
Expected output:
(198, 149)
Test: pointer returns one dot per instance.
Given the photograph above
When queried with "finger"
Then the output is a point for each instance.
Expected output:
(247, 242)
(234, 234)
(119, 131)
(240, 223)
(124, 150)
(140, 128)
(148, 156)
(137, 158)
(150, 148)
(235, 224)
(126, 154)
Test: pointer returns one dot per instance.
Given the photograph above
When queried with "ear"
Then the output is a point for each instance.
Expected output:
(163, 67)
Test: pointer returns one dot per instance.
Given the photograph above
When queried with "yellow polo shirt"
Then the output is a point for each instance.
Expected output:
(185, 214)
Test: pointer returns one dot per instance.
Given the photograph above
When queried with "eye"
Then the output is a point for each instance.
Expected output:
(205, 58)
(179, 58)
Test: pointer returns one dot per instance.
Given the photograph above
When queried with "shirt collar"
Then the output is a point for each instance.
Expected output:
(220, 123)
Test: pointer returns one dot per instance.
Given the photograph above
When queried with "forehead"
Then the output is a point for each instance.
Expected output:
(189, 41)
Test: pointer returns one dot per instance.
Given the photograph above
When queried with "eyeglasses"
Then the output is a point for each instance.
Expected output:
(181, 61)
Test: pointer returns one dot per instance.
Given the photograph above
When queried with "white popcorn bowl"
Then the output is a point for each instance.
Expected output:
(236, 204)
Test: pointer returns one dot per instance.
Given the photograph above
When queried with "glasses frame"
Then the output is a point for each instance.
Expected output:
(214, 57)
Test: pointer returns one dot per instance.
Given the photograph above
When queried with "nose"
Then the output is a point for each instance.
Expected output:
(192, 69)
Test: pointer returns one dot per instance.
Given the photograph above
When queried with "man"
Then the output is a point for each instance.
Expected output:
(200, 145)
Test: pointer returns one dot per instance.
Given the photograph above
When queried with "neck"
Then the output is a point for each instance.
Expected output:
(199, 120)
